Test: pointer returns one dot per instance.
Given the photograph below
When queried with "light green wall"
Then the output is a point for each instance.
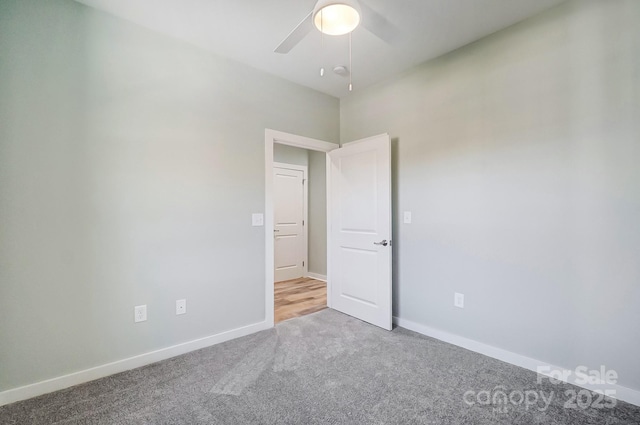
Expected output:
(130, 164)
(518, 157)
(290, 155)
(318, 213)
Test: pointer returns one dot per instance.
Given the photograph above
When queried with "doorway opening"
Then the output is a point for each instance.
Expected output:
(358, 248)
(295, 239)
(300, 233)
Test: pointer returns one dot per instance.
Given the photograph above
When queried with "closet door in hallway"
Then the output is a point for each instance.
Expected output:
(290, 242)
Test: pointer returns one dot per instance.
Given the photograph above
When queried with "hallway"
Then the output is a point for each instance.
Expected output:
(298, 297)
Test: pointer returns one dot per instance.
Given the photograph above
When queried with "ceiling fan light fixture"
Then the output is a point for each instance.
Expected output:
(336, 17)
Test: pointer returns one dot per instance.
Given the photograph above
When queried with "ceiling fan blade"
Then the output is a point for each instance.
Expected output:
(378, 25)
(296, 35)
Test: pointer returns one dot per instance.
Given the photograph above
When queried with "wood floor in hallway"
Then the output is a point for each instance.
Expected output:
(298, 297)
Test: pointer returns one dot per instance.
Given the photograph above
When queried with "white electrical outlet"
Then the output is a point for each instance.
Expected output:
(407, 217)
(458, 300)
(140, 313)
(181, 307)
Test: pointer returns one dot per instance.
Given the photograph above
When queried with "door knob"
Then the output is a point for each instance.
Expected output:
(383, 243)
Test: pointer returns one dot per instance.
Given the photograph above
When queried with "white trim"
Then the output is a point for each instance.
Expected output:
(299, 141)
(621, 393)
(271, 137)
(329, 228)
(353, 142)
(268, 229)
(317, 276)
(61, 382)
(305, 212)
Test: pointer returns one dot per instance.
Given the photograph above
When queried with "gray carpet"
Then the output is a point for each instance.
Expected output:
(326, 368)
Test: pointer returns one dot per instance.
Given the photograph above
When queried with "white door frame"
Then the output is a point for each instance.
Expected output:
(270, 138)
(305, 210)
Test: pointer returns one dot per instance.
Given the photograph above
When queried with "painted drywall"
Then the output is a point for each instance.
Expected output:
(290, 155)
(130, 165)
(317, 180)
(318, 213)
(518, 157)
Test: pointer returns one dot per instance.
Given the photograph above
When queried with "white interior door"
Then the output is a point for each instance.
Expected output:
(290, 246)
(359, 271)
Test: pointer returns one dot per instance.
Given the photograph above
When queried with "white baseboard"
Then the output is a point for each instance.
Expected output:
(21, 393)
(621, 393)
(61, 382)
(317, 276)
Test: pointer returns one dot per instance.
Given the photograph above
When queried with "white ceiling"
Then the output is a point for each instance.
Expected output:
(249, 30)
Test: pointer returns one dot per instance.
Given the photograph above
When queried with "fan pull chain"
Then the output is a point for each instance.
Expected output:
(350, 65)
(321, 43)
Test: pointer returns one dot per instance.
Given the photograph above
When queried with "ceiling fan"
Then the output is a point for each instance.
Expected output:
(338, 17)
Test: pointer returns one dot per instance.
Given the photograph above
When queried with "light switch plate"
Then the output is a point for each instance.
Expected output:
(257, 219)
(407, 217)
(458, 300)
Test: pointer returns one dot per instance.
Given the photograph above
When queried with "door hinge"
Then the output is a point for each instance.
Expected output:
(302, 263)
(303, 222)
